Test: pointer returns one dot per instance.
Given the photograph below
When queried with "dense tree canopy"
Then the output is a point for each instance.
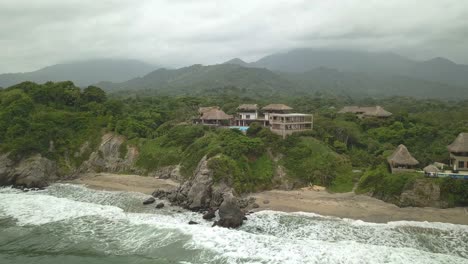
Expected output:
(55, 119)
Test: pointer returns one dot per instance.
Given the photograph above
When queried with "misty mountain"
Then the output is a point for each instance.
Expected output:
(302, 60)
(203, 80)
(237, 61)
(82, 73)
(357, 84)
(198, 79)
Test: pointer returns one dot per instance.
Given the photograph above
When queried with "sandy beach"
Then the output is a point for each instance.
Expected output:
(350, 205)
(344, 205)
(124, 182)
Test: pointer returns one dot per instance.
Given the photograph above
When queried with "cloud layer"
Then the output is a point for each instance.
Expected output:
(34, 34)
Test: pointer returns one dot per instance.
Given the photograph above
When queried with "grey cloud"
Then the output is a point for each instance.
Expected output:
(177, 33)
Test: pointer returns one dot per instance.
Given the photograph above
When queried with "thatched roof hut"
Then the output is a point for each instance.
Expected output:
(248, 107)
(402, 157)
(215, 114)
(460, 144)
(276, 107)
(371, 111)
(431, 169)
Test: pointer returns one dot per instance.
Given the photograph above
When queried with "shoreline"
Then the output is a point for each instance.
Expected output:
(342, 205)
(123, 182)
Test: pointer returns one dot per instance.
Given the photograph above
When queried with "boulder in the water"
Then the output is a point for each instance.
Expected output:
(230, 215)
(159, 205)
(209, 215)
(192, 222)
(149, 201)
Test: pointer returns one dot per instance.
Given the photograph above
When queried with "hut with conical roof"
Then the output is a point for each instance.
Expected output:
(431, 170)
(401, 160)
(459, 153)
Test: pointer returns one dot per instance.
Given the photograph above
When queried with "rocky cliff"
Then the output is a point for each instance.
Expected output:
(112, 155)
(32, 172)
(422, 193)
(201, 193)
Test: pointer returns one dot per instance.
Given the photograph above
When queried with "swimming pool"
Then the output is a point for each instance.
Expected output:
(241, 128)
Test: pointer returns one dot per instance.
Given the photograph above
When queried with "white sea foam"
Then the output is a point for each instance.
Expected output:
(29, 209)
(267, 237)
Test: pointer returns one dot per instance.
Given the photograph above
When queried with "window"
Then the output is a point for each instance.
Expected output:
(247, 116)
(461, 164)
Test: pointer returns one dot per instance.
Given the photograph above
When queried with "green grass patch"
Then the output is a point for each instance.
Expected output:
(343, 182)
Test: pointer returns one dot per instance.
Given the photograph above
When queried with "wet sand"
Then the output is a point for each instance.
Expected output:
(344, 205)
(350, 205)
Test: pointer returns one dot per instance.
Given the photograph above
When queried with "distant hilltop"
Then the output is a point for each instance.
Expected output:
(298, 72)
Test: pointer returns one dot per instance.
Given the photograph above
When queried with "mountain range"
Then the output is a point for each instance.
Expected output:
(297, 72)
(82, 73)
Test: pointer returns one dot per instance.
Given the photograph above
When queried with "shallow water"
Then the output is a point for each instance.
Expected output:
(72, 224)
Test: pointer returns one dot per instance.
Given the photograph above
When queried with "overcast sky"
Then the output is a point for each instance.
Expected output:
(34, 34)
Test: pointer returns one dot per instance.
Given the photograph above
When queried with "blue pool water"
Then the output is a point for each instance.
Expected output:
(241, 128)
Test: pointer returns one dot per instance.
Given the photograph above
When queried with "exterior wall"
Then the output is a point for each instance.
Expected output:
(456, 158)
(247, 115)
(213, 122)
(285, 125)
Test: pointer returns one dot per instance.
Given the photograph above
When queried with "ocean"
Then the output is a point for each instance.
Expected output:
(73, 224)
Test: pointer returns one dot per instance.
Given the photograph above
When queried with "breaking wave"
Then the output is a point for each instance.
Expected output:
(73, 221)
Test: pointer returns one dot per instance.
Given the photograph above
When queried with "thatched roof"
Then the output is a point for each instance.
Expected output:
(248, 107)
(402, 156)
(376, 111)
(277, 107)
(215, 114)
(430, 168)
(460, 144)
(205, 109)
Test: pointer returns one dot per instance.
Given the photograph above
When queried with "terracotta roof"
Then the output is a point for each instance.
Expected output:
(376, 111)
(215, 114)
(205, 109)
(402, 156)
(460, 144)
(249, 107)
(281, 107)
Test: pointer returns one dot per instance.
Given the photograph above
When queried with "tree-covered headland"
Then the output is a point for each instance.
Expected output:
(342, 152)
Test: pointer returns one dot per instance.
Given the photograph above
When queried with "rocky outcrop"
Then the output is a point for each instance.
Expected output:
(113, 155)
(32, 172)
(422, 193)
(168, 172)
(282, 181)
(202, 194)
(230, 215)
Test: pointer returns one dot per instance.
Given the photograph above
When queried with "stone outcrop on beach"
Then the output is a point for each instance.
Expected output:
(113, 155)
(167, 172)
(32, 172)
(230, 215)
(423, 193)
(201, 193)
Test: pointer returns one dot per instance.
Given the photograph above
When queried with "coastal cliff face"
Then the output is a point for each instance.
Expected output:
(32, 172)
(202, 193)
(112, 155)
(36, 171)
(423, 193)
